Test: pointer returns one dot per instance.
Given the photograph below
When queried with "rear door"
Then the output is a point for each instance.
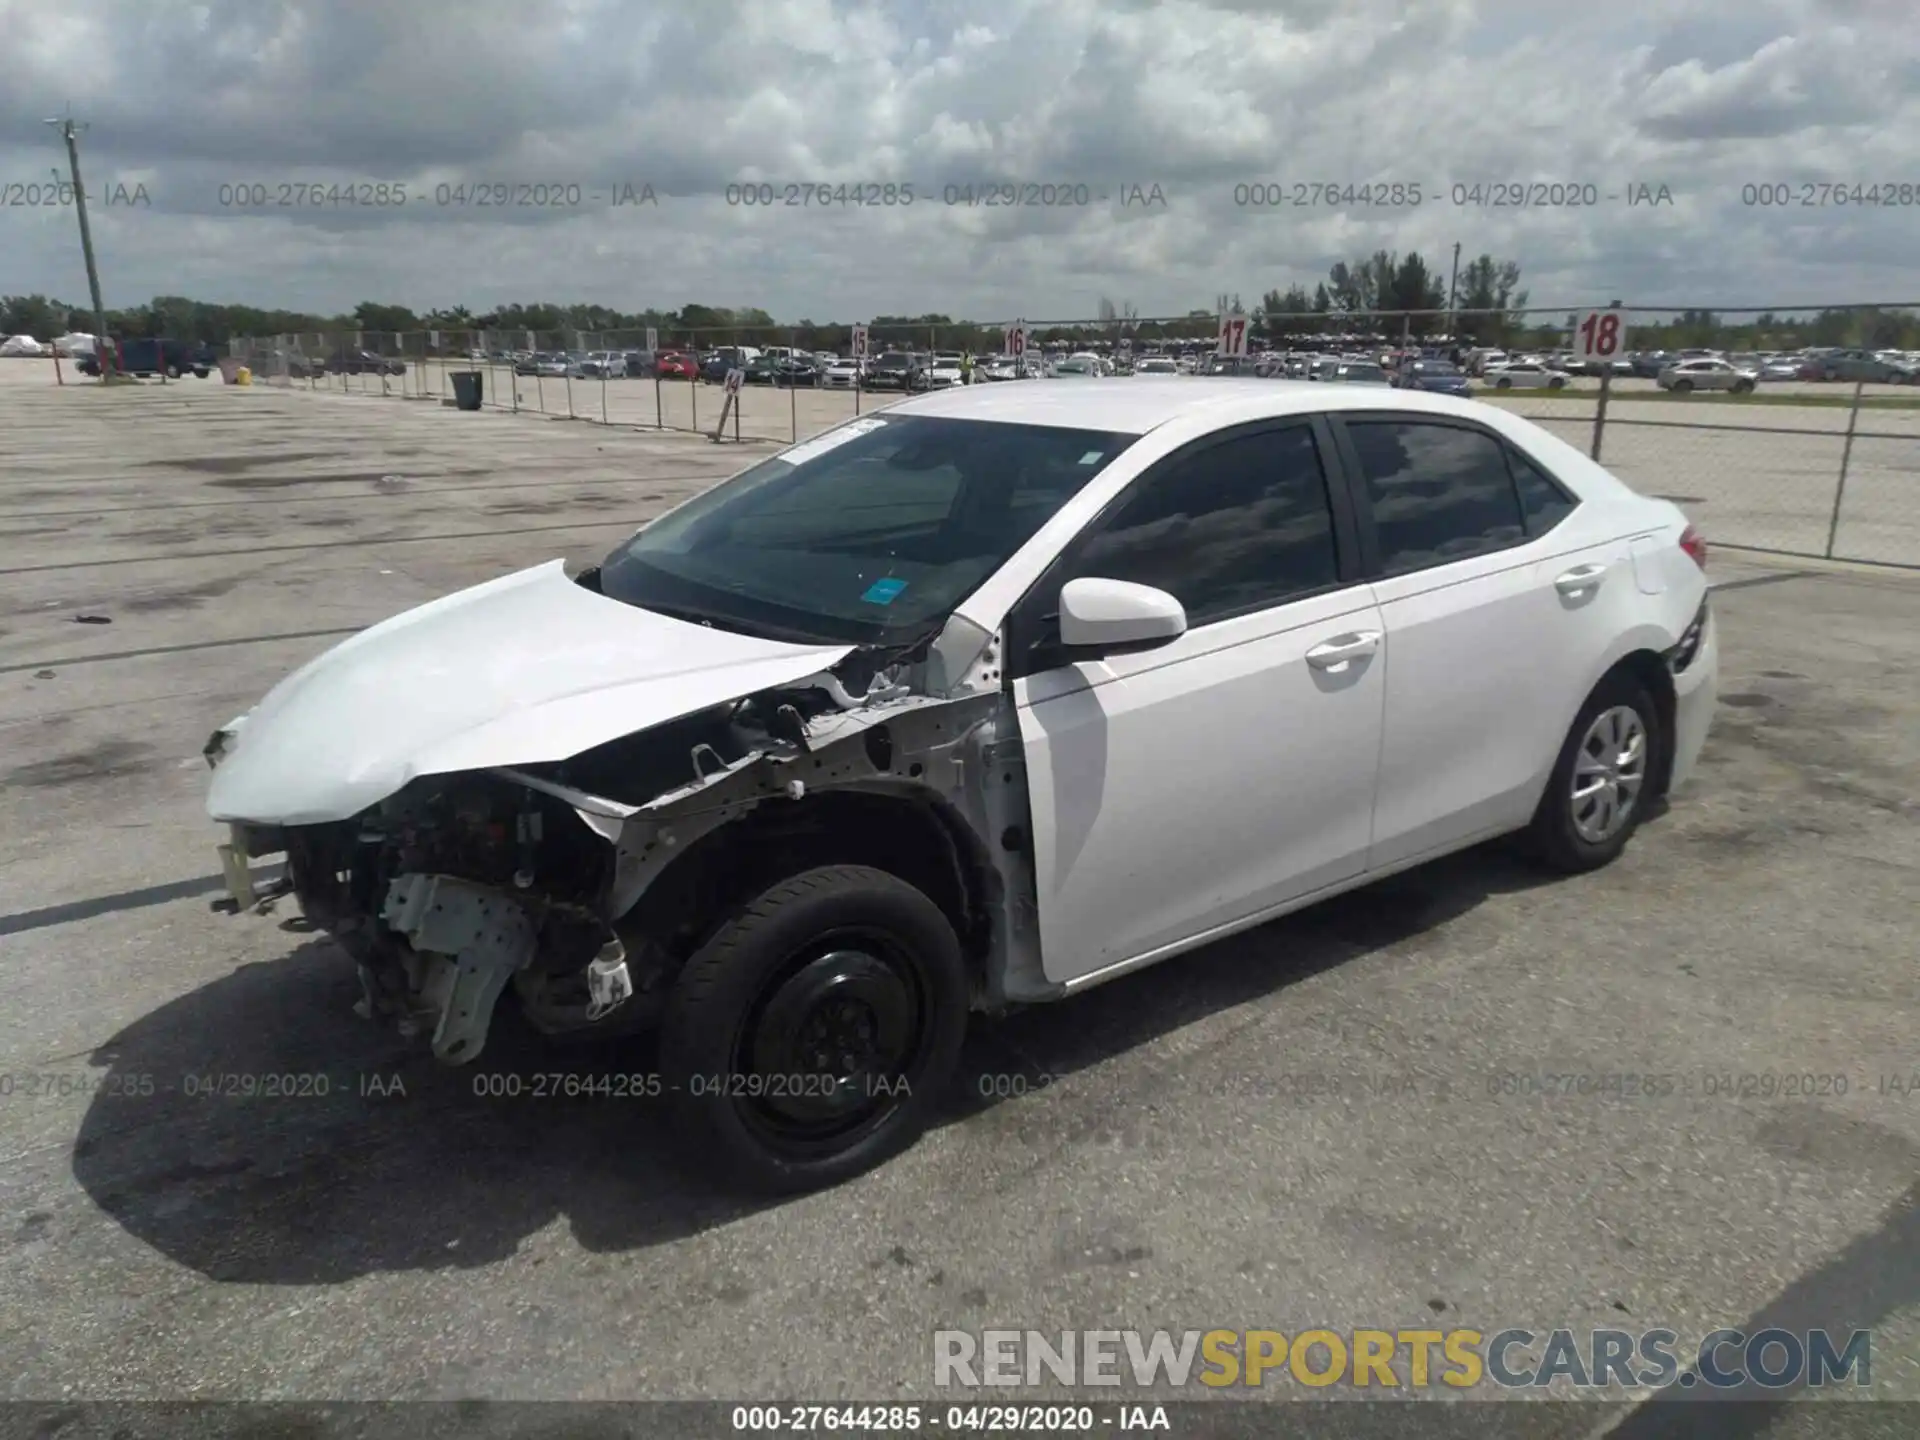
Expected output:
(1494, 614)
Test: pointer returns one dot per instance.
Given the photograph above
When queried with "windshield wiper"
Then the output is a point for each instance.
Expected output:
(735, 626)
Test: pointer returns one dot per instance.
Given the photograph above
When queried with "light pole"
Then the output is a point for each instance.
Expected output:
(70, 133)
(1452, 287)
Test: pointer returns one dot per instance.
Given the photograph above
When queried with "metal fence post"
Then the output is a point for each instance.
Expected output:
(1606, 389)
(1846, 458)
(693, 385)
(793, 387)
(1600, 413)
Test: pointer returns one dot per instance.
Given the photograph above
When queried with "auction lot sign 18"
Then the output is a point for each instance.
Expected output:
(1598, 336)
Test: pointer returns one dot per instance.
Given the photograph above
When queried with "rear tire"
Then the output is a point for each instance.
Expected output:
(1503, 384)
(809, 1039)
(1610, 754)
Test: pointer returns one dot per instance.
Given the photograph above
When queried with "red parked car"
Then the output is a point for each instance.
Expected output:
(674, 366)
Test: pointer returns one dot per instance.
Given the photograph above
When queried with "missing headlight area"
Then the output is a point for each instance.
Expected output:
(579, 888)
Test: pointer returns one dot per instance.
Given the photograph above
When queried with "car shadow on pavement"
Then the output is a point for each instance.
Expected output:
(257, 1132)
(1022, 1054)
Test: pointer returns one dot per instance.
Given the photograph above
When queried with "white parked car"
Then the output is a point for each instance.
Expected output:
(1079, 367)
(982, 701)
(21, 347)
(1690, 375)
(1525, 375)
(74, 344)
(1155, 365)
(841, 375)
(604, 365)
(943, 372)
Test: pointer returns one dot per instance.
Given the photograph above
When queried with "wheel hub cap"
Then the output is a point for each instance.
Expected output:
(1608, 773)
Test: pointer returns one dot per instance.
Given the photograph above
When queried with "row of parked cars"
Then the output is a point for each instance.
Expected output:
(1449, 372)
(1703, 368)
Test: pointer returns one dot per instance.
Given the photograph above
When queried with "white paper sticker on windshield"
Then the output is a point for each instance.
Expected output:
(1092, 457)
(821, 444)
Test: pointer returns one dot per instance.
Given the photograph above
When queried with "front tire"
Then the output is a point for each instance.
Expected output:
(809, 1039)
(1599, 790)
(1683, 387)
(1503, 383)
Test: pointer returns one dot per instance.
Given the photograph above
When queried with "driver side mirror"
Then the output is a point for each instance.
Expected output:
(1101, 617)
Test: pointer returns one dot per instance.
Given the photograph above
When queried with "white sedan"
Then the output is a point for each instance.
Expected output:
(982, 701)
(1691, 375)
(1525, 375)
(841, 375)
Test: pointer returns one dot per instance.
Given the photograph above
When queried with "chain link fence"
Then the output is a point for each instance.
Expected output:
(1818, 456)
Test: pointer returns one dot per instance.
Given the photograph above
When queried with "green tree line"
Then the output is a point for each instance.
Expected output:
(1381, 293)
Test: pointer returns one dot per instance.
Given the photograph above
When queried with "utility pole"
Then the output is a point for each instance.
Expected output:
(1452, 287)
(101, 350)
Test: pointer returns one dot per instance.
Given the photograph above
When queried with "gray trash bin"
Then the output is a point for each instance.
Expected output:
(466, 389)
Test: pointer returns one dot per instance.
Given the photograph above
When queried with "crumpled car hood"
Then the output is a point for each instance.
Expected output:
(522, 670)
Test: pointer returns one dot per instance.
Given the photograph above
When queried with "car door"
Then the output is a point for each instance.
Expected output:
(1178, 791)
(1492, 624)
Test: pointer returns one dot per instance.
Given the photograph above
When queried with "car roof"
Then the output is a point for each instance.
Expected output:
(1134, 406)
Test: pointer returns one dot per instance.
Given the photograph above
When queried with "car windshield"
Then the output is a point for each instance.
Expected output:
(1364, 372)
(869, 534)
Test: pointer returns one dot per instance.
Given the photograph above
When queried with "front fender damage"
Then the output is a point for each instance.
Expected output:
(462, 888)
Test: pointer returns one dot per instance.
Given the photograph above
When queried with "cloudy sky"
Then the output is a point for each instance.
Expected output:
(1152, 125)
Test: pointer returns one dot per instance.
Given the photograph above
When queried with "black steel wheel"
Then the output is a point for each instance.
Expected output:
(808, 1040)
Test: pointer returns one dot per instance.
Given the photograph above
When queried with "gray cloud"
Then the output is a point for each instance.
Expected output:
(592, 95)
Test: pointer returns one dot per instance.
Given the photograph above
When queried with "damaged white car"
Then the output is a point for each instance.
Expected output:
(982, 701)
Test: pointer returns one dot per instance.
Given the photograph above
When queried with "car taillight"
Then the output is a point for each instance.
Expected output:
(1695, 544)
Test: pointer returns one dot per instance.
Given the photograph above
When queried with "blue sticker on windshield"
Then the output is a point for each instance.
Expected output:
(884, 592)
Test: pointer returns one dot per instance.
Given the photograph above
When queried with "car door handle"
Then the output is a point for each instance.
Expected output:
(1581, 577)
(1343, 648)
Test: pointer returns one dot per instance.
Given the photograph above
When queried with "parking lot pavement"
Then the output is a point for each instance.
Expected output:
(1756, 475)
(1349, 1118)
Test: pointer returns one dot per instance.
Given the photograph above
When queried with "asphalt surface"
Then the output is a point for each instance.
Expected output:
(1304, 1126)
